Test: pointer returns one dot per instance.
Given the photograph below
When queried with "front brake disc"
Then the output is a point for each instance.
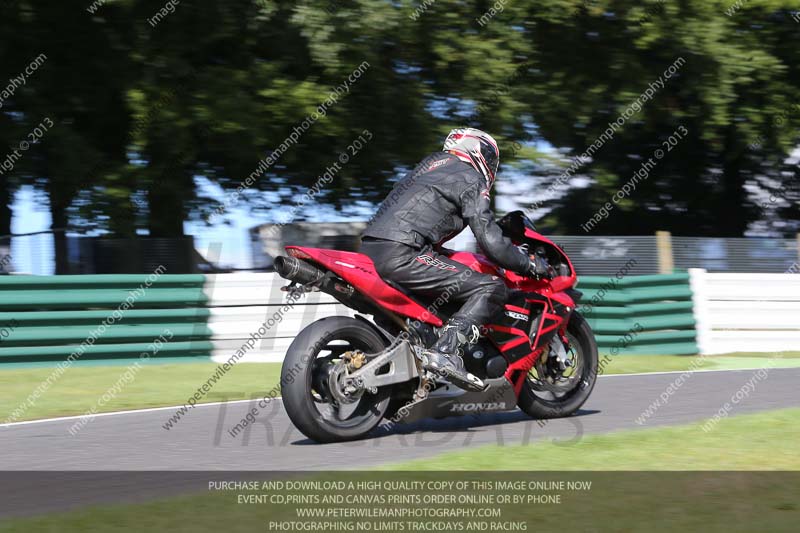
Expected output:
(548, 379)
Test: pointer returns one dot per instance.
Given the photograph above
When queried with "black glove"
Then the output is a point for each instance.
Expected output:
(538, 267)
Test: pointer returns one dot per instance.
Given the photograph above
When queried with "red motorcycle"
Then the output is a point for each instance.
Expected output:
(342, 375)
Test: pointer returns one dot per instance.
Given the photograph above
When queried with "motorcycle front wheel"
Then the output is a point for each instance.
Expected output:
(315, 362)
(550, 393)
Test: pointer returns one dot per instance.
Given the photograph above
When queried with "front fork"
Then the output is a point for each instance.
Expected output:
(517, 372)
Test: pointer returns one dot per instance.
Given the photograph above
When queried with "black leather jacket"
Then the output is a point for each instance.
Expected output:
(435, 201)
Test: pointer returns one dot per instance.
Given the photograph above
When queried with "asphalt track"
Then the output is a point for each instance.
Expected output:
(44, 469)
(200, 441)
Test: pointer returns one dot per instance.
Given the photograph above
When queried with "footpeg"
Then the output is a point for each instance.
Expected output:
(461, 379)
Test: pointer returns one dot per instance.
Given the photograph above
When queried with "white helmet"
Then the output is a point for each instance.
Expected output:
(477, 148)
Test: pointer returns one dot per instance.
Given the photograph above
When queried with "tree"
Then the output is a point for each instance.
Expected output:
(740, 73)
(73, 97)
(141, 110)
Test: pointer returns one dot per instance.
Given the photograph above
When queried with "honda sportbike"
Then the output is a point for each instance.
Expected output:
(342, 375)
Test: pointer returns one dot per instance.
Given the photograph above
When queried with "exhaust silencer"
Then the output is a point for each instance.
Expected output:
(297, 270)
(300, 271)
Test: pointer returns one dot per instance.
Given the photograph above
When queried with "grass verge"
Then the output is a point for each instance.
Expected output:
(615, 501)
(764, 441)
(635, 364)
(156, 385)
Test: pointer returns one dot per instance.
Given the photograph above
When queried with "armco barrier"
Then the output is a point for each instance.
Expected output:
(54, 318)
(219, 314)
(640, 314)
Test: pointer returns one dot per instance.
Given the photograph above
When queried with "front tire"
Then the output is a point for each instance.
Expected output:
(315, 347)
(539, 403)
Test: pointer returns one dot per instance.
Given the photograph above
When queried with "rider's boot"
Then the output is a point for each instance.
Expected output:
(444, 357)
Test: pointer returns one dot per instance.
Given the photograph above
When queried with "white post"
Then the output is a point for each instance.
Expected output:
(697, 282)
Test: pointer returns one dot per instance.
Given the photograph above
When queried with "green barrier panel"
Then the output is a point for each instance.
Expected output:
(656, 280)
(637, 310)
(103, 351)
(640, 314)
(662, 308)
(131, 281)
(638, 295)
(99, 298)
(140, 316)
(684, 348)
(678, 321)
(651, 337)
(47, 318)
(112, 334)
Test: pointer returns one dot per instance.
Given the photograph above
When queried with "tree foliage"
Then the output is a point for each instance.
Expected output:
(216, 86)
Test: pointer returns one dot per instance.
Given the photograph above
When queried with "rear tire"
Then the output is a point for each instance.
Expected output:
(530, 400)
(297, 377)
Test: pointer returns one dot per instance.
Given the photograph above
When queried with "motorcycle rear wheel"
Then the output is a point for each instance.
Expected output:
(312, 356)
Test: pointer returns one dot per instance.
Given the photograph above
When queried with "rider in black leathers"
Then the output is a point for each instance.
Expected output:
(447, 191)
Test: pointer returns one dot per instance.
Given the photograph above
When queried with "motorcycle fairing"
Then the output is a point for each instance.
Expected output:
(500, 395)
(476, 262)
(359, 270)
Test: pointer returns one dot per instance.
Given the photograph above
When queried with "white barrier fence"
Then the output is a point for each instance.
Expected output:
(746, 312)
(241, 303)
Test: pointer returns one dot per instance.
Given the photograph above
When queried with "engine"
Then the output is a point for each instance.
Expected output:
(484, 360)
